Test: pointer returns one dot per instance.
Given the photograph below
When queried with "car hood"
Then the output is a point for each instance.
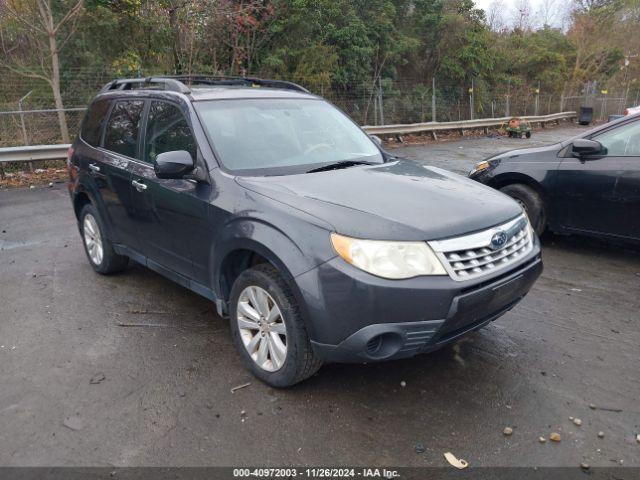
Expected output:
(400, 200)
(528, 153)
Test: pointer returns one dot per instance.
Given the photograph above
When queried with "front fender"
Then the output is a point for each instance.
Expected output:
(296, 254)
(292, 255)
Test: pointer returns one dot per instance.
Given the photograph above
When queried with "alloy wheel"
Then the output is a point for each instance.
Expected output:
(262, 328)
(92, 239)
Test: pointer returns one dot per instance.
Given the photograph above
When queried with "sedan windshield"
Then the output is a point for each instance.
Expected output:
(283, 136)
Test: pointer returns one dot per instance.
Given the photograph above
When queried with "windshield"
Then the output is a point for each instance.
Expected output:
(283, 136)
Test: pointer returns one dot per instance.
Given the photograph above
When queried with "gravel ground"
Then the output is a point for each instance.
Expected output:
(79, 388)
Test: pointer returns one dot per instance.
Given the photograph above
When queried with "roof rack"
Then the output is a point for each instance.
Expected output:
(180, 83)
(131, 83)
(237, 81)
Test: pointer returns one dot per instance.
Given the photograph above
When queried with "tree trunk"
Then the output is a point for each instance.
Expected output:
(175, 47)
(55, 84)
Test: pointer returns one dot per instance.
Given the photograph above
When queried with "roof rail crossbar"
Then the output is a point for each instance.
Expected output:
(129, 83)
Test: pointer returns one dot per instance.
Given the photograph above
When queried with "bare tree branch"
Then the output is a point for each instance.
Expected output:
(24, 72)
(73, 13)
(14, 15)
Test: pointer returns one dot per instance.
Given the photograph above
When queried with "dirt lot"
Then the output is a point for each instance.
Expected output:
(80, 388)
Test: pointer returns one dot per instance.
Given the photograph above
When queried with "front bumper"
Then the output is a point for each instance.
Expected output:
(355, 317)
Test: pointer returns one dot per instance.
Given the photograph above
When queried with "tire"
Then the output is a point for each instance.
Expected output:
(531, 202)
(93, 232)
(528, 134)
(300, 361)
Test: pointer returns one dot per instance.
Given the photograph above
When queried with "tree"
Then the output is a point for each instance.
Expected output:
(598, 55)
(36, 34)
(495, 16)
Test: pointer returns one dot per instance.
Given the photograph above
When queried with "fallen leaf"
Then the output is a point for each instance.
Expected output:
(459, 463)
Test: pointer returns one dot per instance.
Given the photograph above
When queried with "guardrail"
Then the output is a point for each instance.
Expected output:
(432, 127)
(59, 152)
(34, 153)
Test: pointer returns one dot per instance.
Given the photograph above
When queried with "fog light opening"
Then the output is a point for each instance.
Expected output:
(383, 345)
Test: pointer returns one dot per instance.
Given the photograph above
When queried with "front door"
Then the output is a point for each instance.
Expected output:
(600, 194)
(171, 214)
(623, 147)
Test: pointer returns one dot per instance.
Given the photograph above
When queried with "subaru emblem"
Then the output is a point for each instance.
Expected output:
(498, 240)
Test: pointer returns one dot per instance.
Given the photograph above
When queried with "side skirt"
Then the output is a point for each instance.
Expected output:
(174, 276)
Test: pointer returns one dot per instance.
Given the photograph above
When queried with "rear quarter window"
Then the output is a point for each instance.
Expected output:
(123, 128)
(93, 121)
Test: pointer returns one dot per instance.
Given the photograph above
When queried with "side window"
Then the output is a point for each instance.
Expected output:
(122, 130)
(167, 130)
(623, 141)
(92, 124)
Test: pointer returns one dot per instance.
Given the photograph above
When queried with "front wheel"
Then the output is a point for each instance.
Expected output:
(268, 330)
(531, 202)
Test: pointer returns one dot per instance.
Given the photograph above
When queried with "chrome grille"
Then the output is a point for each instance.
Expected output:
(472, 256)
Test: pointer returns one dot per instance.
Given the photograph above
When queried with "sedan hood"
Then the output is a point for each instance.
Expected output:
(528, 153)
(400, 200)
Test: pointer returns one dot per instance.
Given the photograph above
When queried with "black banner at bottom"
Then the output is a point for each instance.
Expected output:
(404, 473)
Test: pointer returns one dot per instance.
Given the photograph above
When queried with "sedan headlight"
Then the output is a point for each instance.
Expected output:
(484, 165)
(394, 260)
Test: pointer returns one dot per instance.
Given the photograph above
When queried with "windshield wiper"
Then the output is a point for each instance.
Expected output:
(338, 165)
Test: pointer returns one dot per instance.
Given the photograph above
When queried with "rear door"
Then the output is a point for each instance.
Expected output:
(171, 212)
(88, 153)
(113, 170)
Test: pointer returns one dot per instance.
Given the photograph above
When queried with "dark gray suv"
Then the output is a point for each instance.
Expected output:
(318, 244)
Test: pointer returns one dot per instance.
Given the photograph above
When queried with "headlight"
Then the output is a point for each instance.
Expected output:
(484, 165)
(394, 260)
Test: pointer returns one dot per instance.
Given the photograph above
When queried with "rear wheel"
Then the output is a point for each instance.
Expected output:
(268, 330)
(97, 245)
(531, 202)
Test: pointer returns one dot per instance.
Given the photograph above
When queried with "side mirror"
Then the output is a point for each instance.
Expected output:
(175, 164)
(377, 140)
(583, 147)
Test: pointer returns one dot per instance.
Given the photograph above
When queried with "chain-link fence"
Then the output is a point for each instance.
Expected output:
(603, 105)
(37, 127)
(27, 117)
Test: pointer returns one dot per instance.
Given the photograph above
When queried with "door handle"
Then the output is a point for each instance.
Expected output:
(141, 187)
(94, 168)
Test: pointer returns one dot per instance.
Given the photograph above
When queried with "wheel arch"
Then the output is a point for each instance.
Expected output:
(84, 194)
(243, 253)
(80, 199)
(514, 178)
(511, 178)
